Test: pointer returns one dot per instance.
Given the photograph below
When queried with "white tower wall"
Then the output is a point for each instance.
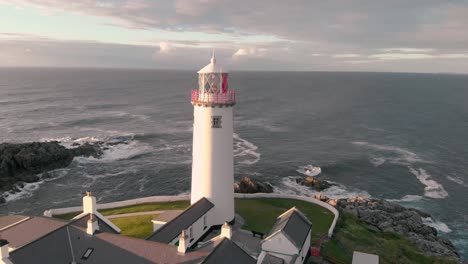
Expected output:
(212, 167)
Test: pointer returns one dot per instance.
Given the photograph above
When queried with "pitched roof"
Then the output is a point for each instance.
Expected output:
(103, 226)
(30, 230)
(172, 229)
(8, 220)
(228, 252)
(70, 243)
(294, 225)
(153, 251)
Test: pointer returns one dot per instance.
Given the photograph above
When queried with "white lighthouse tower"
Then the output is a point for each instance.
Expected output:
(213, 164)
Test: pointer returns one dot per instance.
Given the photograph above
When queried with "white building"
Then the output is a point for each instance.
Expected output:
(289, 239)
(213, 164)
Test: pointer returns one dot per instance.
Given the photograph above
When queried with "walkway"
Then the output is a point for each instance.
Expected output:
(134, 214)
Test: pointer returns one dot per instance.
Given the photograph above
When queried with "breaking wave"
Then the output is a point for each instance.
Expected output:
(457, 180)
(26, 190)
(440, 226)
(114, 147)
(407, 198)
(245, 151)
(400, 156)
(338, 191)
(433, 189)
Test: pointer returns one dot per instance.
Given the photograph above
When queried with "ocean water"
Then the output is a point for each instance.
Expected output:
(401, 137)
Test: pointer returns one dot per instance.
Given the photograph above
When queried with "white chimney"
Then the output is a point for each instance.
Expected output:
(182, 248)
(4, 253)
(92, 225)
(89, 204)
(226, 230)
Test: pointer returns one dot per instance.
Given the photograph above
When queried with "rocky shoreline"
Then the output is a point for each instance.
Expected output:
(389, 217)
(380, 216)
(24, 162)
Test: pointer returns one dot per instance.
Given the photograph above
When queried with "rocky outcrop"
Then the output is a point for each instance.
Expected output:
(246, 185)
(318, 185)
(21, 163)
(385, 216)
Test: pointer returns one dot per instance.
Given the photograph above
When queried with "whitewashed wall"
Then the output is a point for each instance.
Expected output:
(152, 199)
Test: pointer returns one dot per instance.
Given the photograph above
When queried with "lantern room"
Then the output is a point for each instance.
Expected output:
(213, 86)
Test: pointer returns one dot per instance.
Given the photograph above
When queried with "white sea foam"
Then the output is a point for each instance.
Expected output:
(440, 226)
(29, 188)
(407, 198)
(377, 161)
(457, 180)
(433, 189)
(337, 191)
(118, 151)
(400, 156)
(245, 151)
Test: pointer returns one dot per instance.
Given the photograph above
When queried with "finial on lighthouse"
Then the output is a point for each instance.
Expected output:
(213, 59)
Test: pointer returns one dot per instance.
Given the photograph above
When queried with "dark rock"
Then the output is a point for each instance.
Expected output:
(393, 218)
(23, 162)
(2, 200)
(246, 185)
(88, 150)
(313, 182)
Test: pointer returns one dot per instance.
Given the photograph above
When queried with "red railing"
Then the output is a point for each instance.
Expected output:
(228, 98)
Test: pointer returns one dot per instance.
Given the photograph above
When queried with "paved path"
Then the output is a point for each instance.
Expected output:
(134, 214)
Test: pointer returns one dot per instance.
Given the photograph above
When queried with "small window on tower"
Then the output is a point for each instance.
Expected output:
(216, 121)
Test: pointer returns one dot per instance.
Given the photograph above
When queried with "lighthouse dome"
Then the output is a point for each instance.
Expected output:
(212, 67)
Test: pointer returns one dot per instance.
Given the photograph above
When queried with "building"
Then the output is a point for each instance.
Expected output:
(289, 239)
(213, 162)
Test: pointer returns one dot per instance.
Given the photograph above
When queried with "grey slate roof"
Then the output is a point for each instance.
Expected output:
(172, 229)
(228, 252)
(103, 226)
(294, 225)
(54, 248)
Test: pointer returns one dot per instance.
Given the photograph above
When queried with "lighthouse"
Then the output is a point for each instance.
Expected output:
(213, 164)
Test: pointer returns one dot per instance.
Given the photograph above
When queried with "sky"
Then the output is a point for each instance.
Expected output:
(309, 35)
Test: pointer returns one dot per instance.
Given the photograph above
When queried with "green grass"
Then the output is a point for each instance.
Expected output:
(351, 235)
(176, 205)
(135, 226)
(260, 214)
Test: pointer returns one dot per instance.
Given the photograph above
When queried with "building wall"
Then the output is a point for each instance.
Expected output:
(305, 250)
(197, 230)
(213, 165)
(280, 246)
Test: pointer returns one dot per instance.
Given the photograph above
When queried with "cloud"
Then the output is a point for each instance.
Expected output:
(165, 47)
(408, 50)
(244, 52)
(401, 56)
(347, 55)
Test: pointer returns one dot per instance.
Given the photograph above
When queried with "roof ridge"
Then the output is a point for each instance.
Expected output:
(177, 217)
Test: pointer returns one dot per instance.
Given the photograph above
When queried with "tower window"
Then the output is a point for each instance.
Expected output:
(216, 121)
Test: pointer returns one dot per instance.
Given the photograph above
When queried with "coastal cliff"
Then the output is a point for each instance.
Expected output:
(381, 216)
(21, 163)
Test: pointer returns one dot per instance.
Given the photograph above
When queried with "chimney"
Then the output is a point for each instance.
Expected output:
(226, 230)
(89, 204)
(4, 253)
(92, 225)
(182, 248)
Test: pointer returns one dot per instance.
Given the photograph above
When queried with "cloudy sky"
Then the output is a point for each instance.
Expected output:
(345, 35)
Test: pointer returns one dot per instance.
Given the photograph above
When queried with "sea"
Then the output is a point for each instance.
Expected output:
(396, 136)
